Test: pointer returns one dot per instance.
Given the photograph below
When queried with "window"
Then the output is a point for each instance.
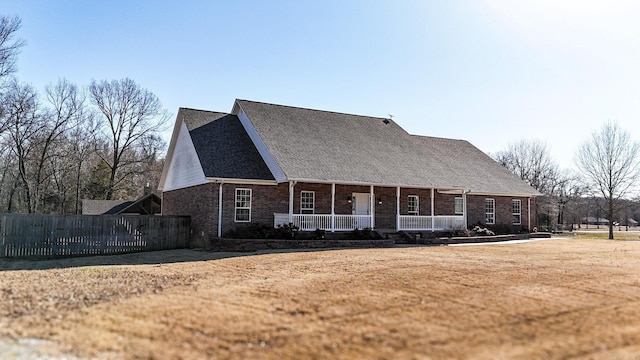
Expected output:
(243, 205)
(516, 206)
(490, 211)
(307, 202)
(414, 205)
(458, 206)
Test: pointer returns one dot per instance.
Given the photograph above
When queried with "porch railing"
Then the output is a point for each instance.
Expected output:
(439, 222)
(310, 222)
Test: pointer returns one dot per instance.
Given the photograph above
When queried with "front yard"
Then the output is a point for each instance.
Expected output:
(545, 299)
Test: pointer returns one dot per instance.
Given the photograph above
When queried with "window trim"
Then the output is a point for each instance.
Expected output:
(455, 208)
(514, 213)
(313, 202)
(415, 212)
(490, 217)
(236, 207)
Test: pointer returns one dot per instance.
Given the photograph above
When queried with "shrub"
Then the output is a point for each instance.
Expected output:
(482, 231)
(364, 234)
(261, 231)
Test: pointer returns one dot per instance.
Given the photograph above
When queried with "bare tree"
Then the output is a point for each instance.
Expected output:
(9, 46)
(530, 160)
(609, 161)
(131, 119)
(24, 123)
(66, 107)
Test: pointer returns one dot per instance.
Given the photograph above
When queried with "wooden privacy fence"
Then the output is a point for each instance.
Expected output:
(31, 235)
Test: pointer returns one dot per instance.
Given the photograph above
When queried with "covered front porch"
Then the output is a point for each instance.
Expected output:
(404, 212)
(339, 222)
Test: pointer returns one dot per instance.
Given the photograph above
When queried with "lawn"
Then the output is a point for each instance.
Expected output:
(547, 299)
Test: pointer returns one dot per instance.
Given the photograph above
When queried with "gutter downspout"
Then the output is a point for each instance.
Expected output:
(398, 208)
(529, 213)
(220, 209)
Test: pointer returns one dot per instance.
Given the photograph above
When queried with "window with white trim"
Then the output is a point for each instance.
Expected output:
(490, 211)
(458, 206)
(243, 205)
(516, 206)
(307, 202)
(414, 205)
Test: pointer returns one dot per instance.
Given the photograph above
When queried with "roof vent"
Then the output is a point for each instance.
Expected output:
(386, 121)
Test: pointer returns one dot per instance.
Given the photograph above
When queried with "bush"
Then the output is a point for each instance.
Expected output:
(261, 231)
(482, 231)
(317, 234)
(502, 229)
(364, 234)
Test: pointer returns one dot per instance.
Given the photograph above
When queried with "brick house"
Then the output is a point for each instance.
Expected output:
(276, 164)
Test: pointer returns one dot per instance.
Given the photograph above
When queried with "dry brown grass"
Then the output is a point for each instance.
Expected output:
(547, 299)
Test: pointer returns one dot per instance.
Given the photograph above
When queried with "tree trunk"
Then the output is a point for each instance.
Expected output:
(610, 211)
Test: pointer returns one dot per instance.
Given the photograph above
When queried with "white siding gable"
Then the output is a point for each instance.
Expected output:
(184, 168)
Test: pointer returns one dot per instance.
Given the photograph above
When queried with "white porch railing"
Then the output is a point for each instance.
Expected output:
(440, 222)
(310, 222)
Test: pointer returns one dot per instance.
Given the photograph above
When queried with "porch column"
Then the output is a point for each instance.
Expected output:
(220, 210)
(291, 184)
(333, 207)
(464, 208)
(433, 216)
(371, 207)
(398, 208)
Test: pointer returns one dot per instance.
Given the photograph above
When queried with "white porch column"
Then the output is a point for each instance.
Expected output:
(371, 207)
(220, 210)
(398, 208)
(333, 207)
(291, 185)
(464, 208)
(433, 215)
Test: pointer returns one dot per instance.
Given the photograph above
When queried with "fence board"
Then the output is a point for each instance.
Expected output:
(36, 235)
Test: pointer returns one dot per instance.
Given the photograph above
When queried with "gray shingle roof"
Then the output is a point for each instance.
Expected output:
(328, 146)
(223, 146)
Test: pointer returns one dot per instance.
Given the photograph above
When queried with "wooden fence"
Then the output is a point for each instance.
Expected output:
(30, 235)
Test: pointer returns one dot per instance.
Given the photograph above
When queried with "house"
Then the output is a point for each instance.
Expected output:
(590, 220)
(276, 164)
(149, 204)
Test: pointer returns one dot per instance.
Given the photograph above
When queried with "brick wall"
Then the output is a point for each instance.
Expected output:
(503, 211)
(265, 201)
(201, 203)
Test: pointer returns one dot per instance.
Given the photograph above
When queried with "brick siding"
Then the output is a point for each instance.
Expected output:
(201, 203)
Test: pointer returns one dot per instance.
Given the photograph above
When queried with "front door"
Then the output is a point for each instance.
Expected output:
(361, 204)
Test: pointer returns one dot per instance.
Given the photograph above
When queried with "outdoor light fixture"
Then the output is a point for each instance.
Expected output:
(349, 199)
(379, 201)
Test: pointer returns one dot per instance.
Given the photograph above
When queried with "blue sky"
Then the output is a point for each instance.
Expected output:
(488, 71)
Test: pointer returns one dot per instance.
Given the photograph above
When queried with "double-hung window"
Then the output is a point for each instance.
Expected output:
(490, 211)
(516, 206)
(414, 205)
(458, 209)
(243, 205)
(307, 202)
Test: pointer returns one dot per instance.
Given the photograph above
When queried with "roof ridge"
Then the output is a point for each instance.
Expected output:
(437, 137)
(202, 110)
(318, 110)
